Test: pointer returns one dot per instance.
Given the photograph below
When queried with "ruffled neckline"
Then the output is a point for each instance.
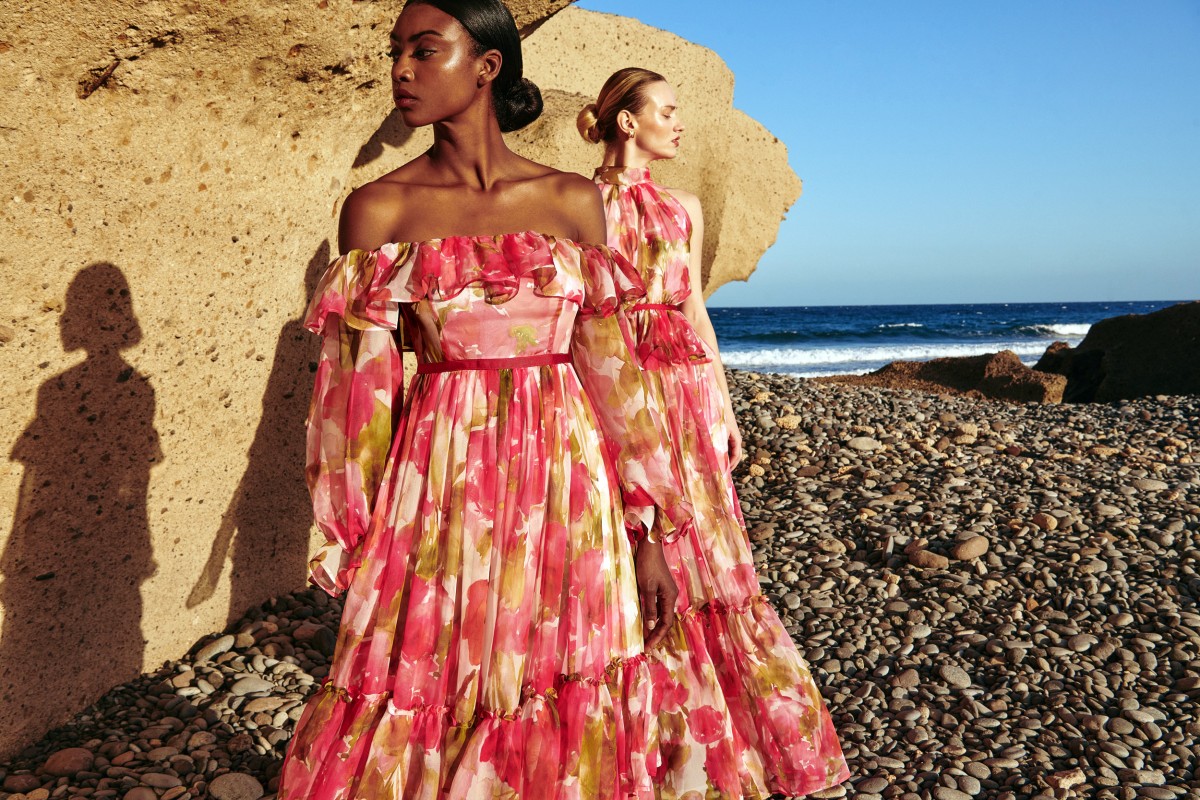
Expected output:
(623, 176)
(365, 287)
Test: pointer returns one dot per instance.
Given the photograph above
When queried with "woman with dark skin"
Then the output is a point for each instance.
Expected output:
(490, 643)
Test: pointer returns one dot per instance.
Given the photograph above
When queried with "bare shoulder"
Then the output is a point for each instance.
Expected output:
(688, 200)
(374, 213)
(578, 204)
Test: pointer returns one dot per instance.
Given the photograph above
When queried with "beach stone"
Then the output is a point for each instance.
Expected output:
(260, 704)
(864, 444)
(201, 739)
(214, 648)
(21, 783)
(235, 786)
(970, 548)
(946, 793)
(1046, 522)
(65, 763)
(141, 793)
(160, 780)
(955, 676)
(1150, 485)
(928, 560)
(251, 684)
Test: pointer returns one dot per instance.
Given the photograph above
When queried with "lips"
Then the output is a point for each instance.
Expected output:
(404, 99)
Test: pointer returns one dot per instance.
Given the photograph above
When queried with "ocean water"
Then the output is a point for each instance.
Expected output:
(838, 340)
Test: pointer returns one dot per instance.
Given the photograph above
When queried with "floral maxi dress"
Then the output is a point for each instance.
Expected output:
(739, 713)
(490, 643)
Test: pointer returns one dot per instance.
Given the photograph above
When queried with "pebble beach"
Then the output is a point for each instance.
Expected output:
(998, 600)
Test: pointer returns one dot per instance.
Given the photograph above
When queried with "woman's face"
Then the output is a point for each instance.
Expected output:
(657, 127)
(435, 72)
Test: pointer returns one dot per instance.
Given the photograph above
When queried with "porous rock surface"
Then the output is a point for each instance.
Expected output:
(172, 174)
(999, 376)
(1133, 355)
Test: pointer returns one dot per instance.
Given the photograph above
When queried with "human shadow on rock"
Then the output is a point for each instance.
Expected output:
(80, 547)
(268, 520)
(392, 132)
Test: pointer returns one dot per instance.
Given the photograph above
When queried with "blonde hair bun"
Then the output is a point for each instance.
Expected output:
(625, 90)
(589, 123)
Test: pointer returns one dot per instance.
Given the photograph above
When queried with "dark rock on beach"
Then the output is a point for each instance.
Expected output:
(1135, 355)
(998, 376)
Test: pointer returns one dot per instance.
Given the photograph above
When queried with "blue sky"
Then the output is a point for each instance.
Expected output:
(1015, 151)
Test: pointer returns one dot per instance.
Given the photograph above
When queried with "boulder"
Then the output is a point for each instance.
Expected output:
(998, 376)
(1129, 356)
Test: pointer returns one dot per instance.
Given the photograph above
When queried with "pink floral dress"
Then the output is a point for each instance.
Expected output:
(739, 714)
(491, 641)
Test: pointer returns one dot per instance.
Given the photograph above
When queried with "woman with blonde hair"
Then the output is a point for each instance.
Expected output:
(739, 713)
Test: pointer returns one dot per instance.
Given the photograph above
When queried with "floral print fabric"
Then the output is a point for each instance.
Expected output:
(739, 713)
(491, 641)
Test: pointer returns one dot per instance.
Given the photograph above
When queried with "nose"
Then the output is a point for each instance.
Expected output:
(402, 70)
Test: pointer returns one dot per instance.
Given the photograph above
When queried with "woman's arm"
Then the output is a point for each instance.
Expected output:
(697, 314)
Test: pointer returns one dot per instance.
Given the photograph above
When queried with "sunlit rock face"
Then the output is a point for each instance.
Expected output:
(172, 176)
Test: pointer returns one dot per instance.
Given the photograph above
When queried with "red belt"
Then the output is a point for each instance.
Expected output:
(516, 362)
(655, 307)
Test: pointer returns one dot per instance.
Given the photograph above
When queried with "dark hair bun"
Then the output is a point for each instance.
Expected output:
(519, 105)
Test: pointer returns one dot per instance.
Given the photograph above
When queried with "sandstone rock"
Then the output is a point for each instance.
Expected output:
(1134, 355)
(1000, 376)
(235, 786)
(744, 199)
(65, 763)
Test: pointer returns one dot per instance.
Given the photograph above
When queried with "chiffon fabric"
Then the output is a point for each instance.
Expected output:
(739, 713)
(491, 641)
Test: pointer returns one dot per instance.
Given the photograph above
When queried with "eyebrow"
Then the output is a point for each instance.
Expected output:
(416, 36)
(670, 108)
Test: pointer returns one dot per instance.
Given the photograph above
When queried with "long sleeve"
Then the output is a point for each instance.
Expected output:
(628, 414)
(356, 395)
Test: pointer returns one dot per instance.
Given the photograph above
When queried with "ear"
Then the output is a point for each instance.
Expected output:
(489, 67)
(625, 121)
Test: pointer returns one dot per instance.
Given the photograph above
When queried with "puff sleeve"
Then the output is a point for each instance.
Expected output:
(628, 414)
(356, 397)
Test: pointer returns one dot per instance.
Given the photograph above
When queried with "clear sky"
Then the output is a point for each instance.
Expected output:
(1004, 151)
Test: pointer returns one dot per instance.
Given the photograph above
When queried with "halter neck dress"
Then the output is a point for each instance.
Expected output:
(739, 713)
(491, 643)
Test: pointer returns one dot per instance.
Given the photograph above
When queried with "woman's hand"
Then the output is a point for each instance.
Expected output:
(735, 437)
(656, 591)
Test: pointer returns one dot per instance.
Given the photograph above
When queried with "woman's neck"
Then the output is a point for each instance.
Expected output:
(625, 154)
(470, 151)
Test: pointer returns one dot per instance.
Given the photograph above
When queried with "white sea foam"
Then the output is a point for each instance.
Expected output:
(1070, 330)
(901, 325)
(865, 359)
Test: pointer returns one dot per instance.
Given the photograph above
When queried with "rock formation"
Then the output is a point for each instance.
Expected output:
(172, 173)
(1131, 356)
(999, 376)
